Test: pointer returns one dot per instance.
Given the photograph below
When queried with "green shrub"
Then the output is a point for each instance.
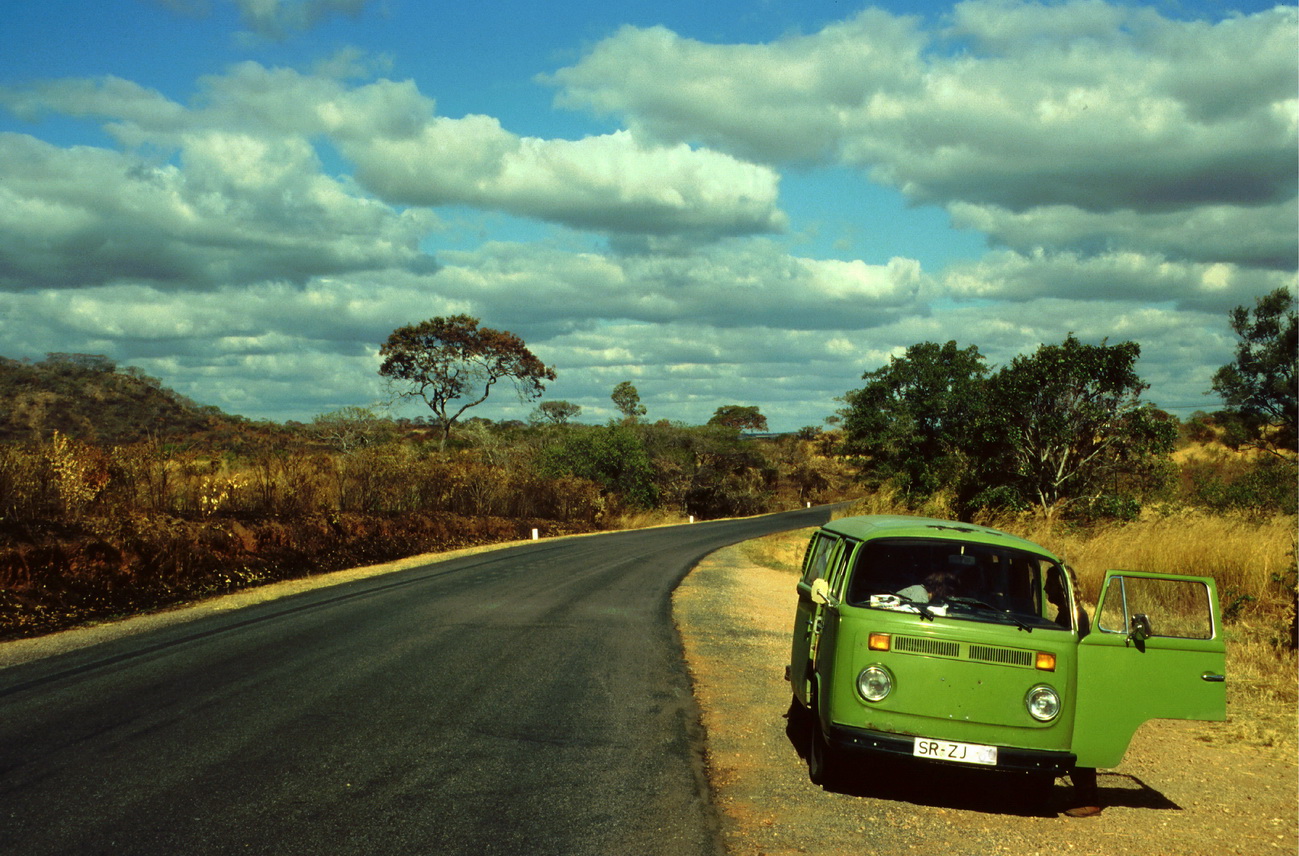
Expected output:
(1265, 484)
(613, 457)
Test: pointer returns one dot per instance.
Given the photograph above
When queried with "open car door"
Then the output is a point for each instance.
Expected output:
(1155, 651)
(809, 615)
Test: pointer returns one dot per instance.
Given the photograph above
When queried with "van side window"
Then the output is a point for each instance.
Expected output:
(835, 571)
(818, 553)
(1177, 608)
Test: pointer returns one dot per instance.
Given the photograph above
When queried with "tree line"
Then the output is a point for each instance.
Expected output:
(1063, 430)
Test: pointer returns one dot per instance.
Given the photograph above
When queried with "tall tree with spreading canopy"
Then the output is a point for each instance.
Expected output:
(557, 412)
(1067, 424)
(914, 421)
(739, 417)
(452, 364)
(1259, 386)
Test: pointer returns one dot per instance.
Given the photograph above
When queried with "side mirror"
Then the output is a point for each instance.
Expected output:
(821, 592)
(1141, 629)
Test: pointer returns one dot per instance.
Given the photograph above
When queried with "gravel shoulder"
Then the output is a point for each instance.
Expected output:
(1184, 788)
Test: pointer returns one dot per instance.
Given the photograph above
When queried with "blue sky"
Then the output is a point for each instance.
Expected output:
(724, 203)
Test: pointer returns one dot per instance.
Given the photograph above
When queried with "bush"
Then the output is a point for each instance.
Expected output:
(88, 530)
(1265, 484)
(1107, 507)
(613, 457)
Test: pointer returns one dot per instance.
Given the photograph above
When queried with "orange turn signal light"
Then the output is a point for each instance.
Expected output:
(880, 641)
(1045, 661)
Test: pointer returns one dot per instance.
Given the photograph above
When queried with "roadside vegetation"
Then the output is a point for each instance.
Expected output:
(117, 495)
(1059, 445)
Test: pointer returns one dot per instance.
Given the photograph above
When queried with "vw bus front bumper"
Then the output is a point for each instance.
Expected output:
(1009, 759)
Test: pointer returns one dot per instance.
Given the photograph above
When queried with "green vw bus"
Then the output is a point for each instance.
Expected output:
(959, 644)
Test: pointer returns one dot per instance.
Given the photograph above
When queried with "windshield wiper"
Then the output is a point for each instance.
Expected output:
(978, 604)
(921, 606)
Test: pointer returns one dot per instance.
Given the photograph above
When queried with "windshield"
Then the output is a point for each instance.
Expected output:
(955, 579)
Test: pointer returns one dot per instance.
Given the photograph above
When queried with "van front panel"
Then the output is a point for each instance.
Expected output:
(952, 680)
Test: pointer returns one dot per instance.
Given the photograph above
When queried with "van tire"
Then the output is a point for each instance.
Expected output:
(824, 764)
(798, 722)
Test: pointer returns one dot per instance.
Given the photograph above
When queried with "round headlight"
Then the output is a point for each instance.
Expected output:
(1043, 703)
(874, 683)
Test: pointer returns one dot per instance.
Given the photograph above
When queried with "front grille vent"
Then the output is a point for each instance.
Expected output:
(1004, 656)
(932, 647)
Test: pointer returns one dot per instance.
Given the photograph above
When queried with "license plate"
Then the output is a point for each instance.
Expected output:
(965, 753)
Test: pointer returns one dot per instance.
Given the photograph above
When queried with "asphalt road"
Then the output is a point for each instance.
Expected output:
(531, 700)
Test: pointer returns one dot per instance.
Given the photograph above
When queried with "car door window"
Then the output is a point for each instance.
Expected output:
(1172, 608)
(818, 553)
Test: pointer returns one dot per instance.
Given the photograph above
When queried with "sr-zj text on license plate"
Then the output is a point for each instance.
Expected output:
(966, 753)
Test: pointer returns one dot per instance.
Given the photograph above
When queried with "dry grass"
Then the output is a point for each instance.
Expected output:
(639, 518)
(782, 551)
(1245, 555)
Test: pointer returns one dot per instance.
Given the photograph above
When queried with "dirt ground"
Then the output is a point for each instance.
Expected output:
(1184, 788)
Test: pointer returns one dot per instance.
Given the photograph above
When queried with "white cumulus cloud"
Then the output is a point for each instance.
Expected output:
(1014, 112)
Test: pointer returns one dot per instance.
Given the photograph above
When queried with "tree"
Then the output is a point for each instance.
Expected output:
(1259, 387)
(1067, 424)
(452, 361)
(557, 412)
(627, 400)
(739, 417)
(914, 421)
(351, 427)
(613, 457)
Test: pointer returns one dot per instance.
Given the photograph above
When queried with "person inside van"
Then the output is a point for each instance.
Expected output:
(941, 584)
(936, 586)
(1057, 597)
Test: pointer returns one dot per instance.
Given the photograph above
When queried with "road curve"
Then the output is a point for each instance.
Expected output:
(530, 700)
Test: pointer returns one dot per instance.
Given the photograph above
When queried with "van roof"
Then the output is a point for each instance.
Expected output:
(901, 526)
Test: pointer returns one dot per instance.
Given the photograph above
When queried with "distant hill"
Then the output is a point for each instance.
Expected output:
(84, 396)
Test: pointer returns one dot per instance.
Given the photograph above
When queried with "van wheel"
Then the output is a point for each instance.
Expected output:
(797, 725)
(824, 765)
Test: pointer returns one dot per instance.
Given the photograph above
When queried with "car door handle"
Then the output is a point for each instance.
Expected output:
(1212, 678)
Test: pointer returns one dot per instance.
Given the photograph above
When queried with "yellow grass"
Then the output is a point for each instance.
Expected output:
(782, 551)
(635, 518)
(1245, 556)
